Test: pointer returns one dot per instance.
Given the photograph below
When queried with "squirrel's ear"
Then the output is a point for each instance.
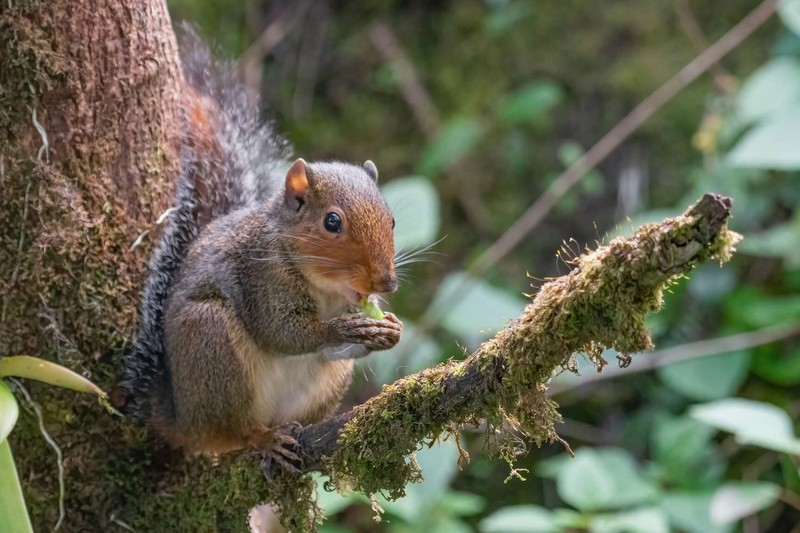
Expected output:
(371, 169)
(297, 185)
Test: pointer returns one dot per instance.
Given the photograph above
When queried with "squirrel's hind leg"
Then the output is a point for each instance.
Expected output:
(210, 390)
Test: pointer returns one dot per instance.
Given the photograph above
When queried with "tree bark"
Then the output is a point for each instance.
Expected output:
(90, 131)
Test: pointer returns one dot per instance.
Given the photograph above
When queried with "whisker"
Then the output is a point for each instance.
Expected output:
(420, 254)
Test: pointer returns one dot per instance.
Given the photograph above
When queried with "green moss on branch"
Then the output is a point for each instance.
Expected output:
(602, 303)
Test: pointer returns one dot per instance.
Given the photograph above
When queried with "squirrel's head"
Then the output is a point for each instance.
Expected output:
(343, 230)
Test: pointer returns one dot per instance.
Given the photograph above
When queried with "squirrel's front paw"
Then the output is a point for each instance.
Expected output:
(374, 334)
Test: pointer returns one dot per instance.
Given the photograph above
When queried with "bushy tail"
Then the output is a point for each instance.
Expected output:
(229, 156)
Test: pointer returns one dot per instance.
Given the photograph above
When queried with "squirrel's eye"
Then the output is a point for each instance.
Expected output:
(392, 223)
(333, 223)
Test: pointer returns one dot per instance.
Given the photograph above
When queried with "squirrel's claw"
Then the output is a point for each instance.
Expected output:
(373, 334)
(278, 446)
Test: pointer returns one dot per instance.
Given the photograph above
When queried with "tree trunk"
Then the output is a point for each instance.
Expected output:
(90, 130)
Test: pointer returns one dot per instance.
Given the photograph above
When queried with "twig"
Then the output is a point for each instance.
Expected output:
(691, 27)
(250, 61)
(605, 146)
(619, 133)
(404, 72)
(427, 117)
(684, 352)
(790, 498)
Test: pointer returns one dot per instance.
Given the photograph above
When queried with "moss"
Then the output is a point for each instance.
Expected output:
(373, 448)
(294, 495)
(602, 303)
(28, 66)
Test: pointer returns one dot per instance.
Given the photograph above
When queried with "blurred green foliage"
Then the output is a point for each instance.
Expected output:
(520, 89)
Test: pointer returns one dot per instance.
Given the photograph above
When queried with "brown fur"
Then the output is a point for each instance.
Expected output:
(255, 335)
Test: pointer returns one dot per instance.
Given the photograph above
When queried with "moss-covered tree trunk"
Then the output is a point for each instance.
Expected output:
(90, 128)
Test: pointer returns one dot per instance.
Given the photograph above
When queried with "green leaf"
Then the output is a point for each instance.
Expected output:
(460, 503)
(454, 141)
(753, 308)
(549, 468)
(505, 15)
(530, 104)
(757, 423)
(772, 144)
(569, 152)
(707, 378)
(689, 511)
(415, 203)
(25, 366)
(9, 411)
(600, 479)
(683, 451)
(480, 311)
(439, 466)
(447, 524)
(737, 500)
(772, 88)
(567, 519)
(645, 520)
(519, 519)
(13, 513)
(777, 365)
(781, 240)
(789, 11)
(791, 475)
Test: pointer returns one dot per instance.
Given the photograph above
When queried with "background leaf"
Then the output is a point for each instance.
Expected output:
(530, 104)
(415, 204)
(646, 520)
(682, 448)
(439, 465)
(690, 511)
(454, 141)
(771, 144)
(602, 479)
(482, 310)
(789, 11)
(519, 519)
(708, 378)
(737, 500)
(757, 423)
(771, 88)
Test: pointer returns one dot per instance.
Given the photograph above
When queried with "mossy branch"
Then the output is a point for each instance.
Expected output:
(602, 303)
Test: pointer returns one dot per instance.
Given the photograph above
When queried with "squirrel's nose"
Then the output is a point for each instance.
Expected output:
(387, 283)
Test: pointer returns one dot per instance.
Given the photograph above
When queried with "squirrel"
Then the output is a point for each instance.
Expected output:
(249, 316)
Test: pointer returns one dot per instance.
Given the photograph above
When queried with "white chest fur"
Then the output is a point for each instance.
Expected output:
(295, 387)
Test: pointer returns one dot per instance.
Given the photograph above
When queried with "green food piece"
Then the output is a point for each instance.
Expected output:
(370, 309)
